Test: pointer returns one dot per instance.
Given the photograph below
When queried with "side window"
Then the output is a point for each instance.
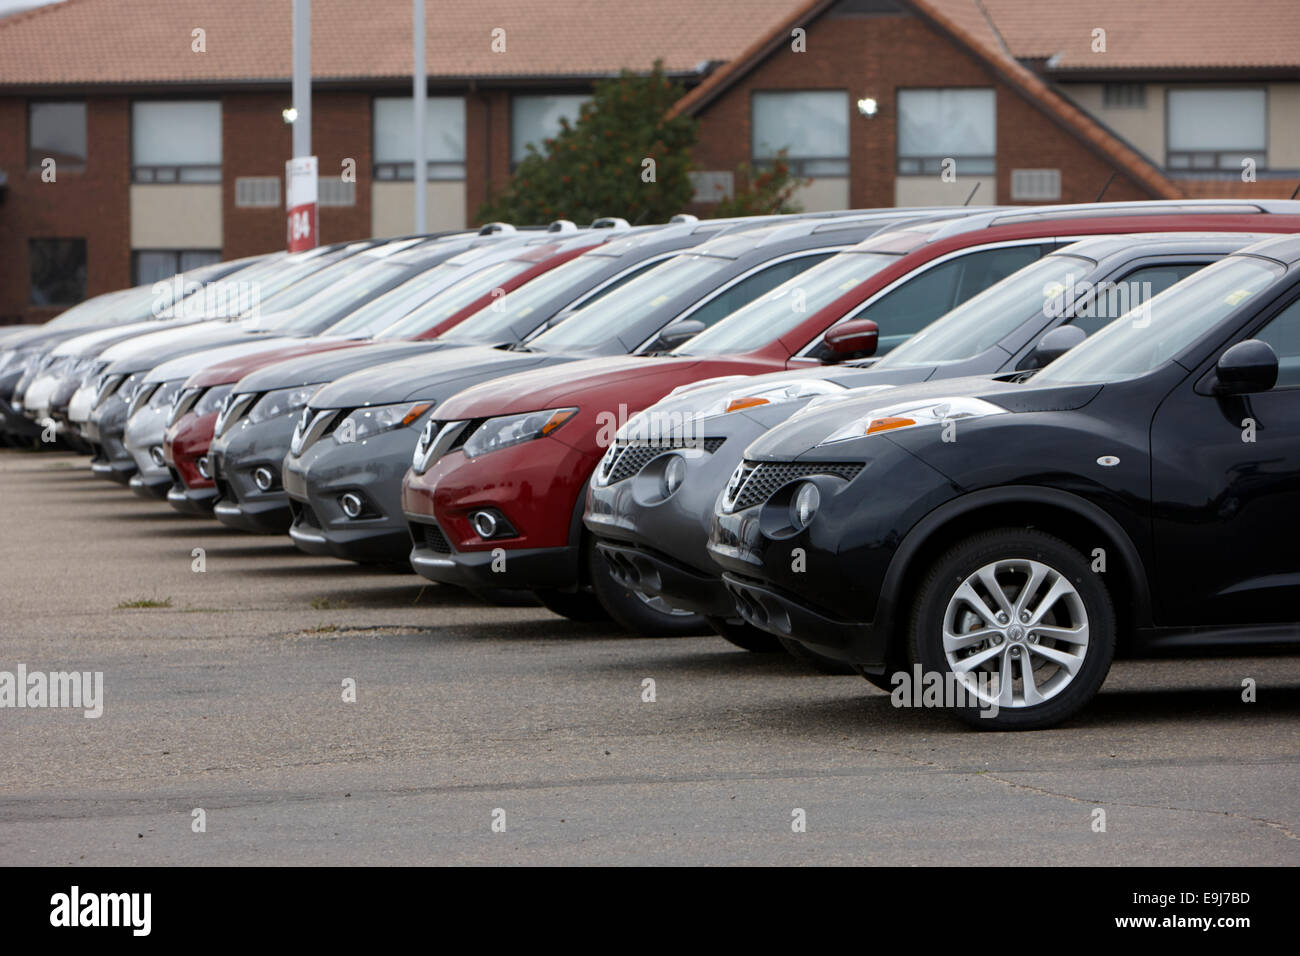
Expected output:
(1283, 334)
(750, 288)
(1129, 292)
(916, 303)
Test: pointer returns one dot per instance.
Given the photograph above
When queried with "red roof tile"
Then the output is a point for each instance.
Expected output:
(94, 42)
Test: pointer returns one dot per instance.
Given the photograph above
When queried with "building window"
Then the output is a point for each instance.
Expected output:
(444, 138)
(1036, 185)
(56, 131)
(176, 141)
(812, 126)
(1124, 96)
(957, 124)
(535, 119)
(156, 265)
(58, 271)
(257, 191)
(332, 191)
(1216, 129)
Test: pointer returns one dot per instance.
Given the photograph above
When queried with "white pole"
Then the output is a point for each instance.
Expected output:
(302, 77)
(420, 84)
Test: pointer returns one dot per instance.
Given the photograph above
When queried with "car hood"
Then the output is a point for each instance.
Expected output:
(316, 368)
(183, 366)
(145, 351)
(429, 376)
(95, 341)
(800, 434)
(232, 370)
(583, 379)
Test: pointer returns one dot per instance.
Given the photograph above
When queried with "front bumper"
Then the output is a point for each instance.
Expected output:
(770, 610)
(104, 432)
(234, 457)
(535, 486)
(656, 575)
(373, 469)
(190, 501)
(529, 569)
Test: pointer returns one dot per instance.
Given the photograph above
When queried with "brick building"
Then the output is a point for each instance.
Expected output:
(142, 136)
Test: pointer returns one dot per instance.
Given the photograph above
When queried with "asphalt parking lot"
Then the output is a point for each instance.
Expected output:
(230, 700)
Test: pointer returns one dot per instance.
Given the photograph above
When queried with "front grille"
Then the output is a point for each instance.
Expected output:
(628, 458)
(433, 539)
(755, 482)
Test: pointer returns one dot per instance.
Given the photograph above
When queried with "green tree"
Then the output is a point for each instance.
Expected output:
(769, 191)
(598, 165)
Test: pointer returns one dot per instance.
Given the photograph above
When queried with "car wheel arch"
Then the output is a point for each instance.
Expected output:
(1067, 515)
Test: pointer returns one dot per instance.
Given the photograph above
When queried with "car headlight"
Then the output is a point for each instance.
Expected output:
(139, 396)
(183, 400)
(506, 430)
(771, 394)
(211, 399)
(282, 401)
(364, 422)
(896, 417)
(109, 384)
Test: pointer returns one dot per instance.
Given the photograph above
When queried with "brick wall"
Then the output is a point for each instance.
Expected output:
(90, 204)
(876, 56)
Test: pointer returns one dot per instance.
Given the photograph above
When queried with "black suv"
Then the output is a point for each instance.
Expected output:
(1007, 535)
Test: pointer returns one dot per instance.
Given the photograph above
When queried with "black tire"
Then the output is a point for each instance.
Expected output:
(579, 606)
(745, 636)
(1090, 603)
(630, 610)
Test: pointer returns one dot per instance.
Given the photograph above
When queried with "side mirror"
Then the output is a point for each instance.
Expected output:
(1249, 366)
(677, 333)
(1055, 344)
(855, 335)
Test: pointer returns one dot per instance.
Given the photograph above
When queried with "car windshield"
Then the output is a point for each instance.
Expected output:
(380, 312)
(345, 295)
(626, 306)
(309, 278)
(1147, 337)
(495, 322)
(789, 304)
(981, 322)
(455, 297)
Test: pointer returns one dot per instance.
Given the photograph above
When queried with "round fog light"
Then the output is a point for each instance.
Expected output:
(484, 522)
(351, 504)
(156, 456)
(263, 478)
(204, 468)
(674, 475)
(804, 504)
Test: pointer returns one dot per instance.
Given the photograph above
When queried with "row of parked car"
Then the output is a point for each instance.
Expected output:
(994, 446)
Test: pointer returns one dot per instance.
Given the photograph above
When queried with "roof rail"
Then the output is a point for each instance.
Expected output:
(683, 217)
(494, 227)
(610, 222)
(562, 225)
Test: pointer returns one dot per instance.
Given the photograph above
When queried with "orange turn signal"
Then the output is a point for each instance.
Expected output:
(558, 419)
(736, 404)
(885, 424)
(416, 411)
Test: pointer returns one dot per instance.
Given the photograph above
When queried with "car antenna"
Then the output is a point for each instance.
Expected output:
(1105, 187)
(1296, 192)
(641, 218)
(972, 194)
